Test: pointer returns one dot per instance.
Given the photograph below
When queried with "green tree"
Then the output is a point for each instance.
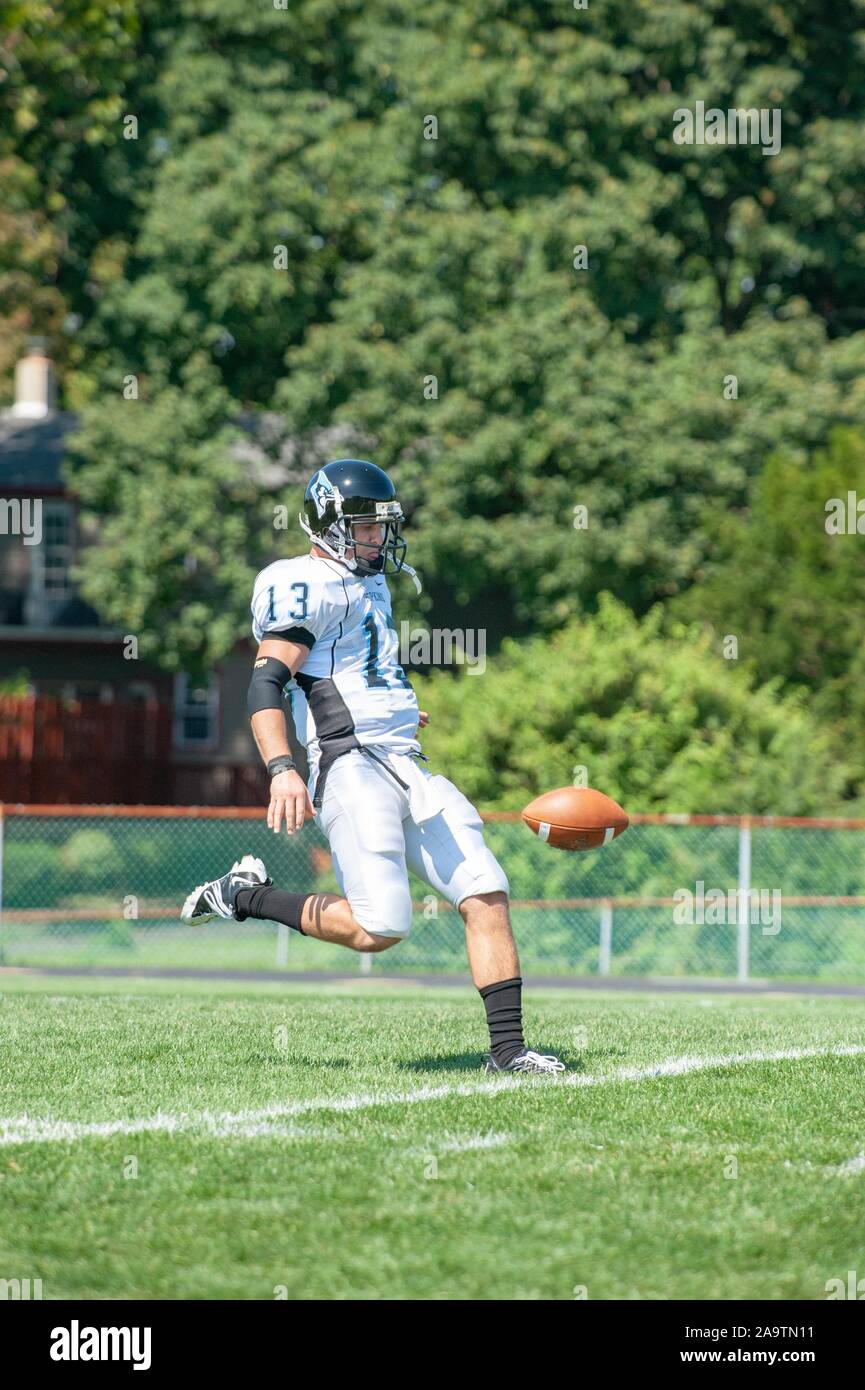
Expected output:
(781, 579)
(69, 73)
(789, 586)
(659, 720)
(450, 258)
(177, 509)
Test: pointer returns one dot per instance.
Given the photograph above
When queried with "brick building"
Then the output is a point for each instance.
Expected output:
(79, 721)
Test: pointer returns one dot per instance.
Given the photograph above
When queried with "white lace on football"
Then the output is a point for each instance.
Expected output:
(536, 1061)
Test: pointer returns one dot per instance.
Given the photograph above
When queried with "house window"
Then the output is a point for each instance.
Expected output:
(50, 586)
(57, 544)
(196, 713)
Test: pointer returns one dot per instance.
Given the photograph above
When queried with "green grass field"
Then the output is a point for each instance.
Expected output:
(200, 1140)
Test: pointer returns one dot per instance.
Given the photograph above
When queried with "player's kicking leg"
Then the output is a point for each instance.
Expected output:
(247, 891)
(372, 843)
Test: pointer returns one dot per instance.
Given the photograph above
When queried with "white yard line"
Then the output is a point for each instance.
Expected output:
(851, 1165)
(250, 1124)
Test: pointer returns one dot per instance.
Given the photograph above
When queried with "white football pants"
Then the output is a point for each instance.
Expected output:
(375, 837)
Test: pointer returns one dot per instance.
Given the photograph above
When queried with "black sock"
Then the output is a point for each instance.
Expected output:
(272, 904)
(503, 1003)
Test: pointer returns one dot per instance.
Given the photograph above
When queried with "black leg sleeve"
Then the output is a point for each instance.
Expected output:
(503, 1003)
(272, 905)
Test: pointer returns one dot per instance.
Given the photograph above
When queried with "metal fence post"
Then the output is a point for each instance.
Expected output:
(743, 941)
(282, 944)
(605, 943)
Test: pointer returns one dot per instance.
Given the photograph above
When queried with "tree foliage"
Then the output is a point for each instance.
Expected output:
(655, 715)
(369, 215)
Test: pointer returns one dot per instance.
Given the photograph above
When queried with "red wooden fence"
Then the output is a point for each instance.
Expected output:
(70, 751)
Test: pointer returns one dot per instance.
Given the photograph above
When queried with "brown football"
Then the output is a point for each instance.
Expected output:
(575, 818)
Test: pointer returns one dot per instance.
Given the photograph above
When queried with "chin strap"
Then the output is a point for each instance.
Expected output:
(325, 545)
(408, 569)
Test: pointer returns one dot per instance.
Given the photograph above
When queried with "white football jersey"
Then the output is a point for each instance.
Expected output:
(351, 691)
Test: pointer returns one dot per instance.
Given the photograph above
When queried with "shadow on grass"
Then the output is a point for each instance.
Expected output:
(457, 1061)
(474, 1062)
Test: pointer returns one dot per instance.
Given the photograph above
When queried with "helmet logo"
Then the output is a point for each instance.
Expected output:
(323, 492)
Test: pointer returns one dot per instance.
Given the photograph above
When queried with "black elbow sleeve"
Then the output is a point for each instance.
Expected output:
(269, 678)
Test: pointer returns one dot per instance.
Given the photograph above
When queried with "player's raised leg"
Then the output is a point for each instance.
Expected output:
(246, 890)
(325, 916)
(361, 815)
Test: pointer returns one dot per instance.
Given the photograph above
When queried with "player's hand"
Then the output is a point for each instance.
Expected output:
(423, 719)
(289, 798)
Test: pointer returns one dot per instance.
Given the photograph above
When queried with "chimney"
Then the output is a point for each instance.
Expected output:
(35, 384)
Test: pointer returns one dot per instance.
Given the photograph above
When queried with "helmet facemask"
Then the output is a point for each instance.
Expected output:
(376, 557)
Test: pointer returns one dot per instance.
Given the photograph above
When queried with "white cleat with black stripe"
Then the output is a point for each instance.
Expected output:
(217, 898)
(531, 1063)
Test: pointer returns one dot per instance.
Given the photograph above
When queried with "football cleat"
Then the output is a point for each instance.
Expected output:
(534, 1063)
(217, 898)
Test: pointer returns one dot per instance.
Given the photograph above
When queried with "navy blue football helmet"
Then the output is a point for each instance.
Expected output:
(346, 492)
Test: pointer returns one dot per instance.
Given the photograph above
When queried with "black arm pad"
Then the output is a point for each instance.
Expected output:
(269, 676)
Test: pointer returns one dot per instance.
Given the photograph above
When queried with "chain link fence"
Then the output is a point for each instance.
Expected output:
(699, 897)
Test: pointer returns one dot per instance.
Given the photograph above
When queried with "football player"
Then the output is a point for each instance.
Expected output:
(326, 635)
